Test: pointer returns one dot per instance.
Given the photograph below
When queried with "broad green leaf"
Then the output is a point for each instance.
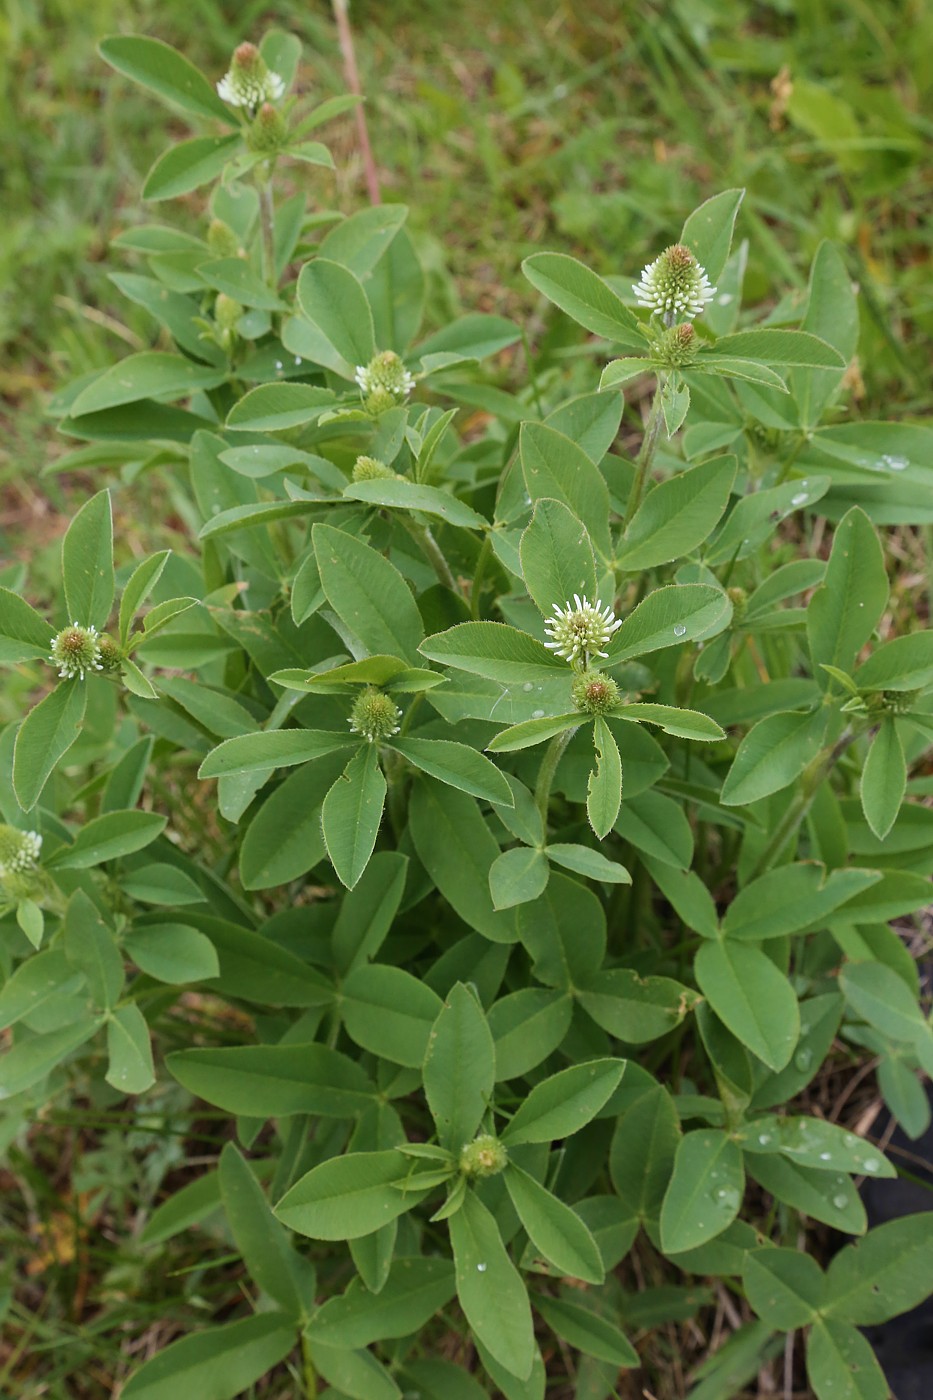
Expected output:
(790, 898)
(705, 1191)
(458, 766)
(351, 815)
(47, 977)
(390, 1012)
(846, 608)
(172, 953)
(24, 635)
(904, 663)
(474, 337)
(755, 518)
(185, 1207)
(368, 594)
(884, 779)
(584, 296)
(772, 755)
(217, 1363)
(189, 164)
(90, 946)
(347, 1197)
(435, 1379)
(527, 1026)
(644, 1145)
(556, 468)
(459, 1068)
(564, 1103)
(284, 839)
(583, 860)
(678, 515)
(604, 790)
(841, 1365)
(557, 557)
(410, 495)
(517, 876)
(279, 748)
(275, 1081)
(688, 896)
(272, 408)
(586, 1330)
(553, 1228)
(415, 1289)
(494, 650)
(814, 1142)
(273, 1265)
(784, 1286)
(29, 1061)
(332, 299)
(130, 1069)
(684, 724)
(832, 314)
(359, 241)
(668, 617)
(534, 731)
(707, 232)
(657, 826)
(887, 1273)
(367, 912)
(108, 837)
(881, 997)
(150, 374)
(752, 998)
(634, 1008)
(87, 563)
(354, 1374)
(457, 849)
(827, 1196)
(490, 1289)
(564, 931)
(780, 347)
(141, 583)
(164, 71)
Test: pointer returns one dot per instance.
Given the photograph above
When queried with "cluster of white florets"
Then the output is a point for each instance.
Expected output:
(249, 82)
(75, 651)
(386, 377)
(580, 629)
(674, 285)
(19, 851)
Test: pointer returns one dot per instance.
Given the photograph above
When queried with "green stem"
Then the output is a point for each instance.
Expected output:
(394, 768)
(431, 551)
(552, 756)
(479, 574)
(267, 220)
(813, 776)
(309, 1373)
(646, 454)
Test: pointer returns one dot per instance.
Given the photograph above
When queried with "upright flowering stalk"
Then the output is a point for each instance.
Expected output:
(249, 83)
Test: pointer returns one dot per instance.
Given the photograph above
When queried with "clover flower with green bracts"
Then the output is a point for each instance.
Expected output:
(249, 82)
(385, 375)
(674, 285)
(371, 469)
(75, 651)
(580, 629)
(19, 851)
(374, 716)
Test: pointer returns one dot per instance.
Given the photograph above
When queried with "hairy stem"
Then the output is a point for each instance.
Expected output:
(267, 219)
(431, 551)
(479, 574)
(645, 455)
(552, 756)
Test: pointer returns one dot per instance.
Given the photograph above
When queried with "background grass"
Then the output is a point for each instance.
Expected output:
(508, 126)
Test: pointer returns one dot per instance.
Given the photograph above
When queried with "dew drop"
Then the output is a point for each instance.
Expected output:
(297, 359)
(840, 1201)
(895, 463)
(481, 1268)
(764, 1139)
(680, 629)
(800, 499)
(871, 1164)
(850, 1139)
(527, 686)
(279, 365)
(537, 714)
(724, 300)
(826, 1156)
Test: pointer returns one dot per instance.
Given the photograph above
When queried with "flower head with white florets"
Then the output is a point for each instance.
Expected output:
(75, 651)
(374, 716)
(385, 375)
(249, 82)
(674, 285)
(19, 850)
(580, 630)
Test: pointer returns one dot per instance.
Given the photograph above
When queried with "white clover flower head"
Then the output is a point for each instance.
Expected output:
(249, 82)
(674, 285)
(374, 716)
(19, 851)
(75, 651)
(580, 629)
(385, 374)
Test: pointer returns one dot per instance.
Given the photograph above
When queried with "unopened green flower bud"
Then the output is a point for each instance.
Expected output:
(739, 600)
(75, 651)
(374, 715)
(371, 469)
(594, 693)
(19, 850)
(111, 655)
(222, 241)
(677, 347)
(385, 372)
(674, 285)
(226, 312)
(268, 132)
(249, 83)
(379, 401)
(484, 1156)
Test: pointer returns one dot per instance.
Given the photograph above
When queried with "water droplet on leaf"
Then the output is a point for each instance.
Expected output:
(680, 629)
